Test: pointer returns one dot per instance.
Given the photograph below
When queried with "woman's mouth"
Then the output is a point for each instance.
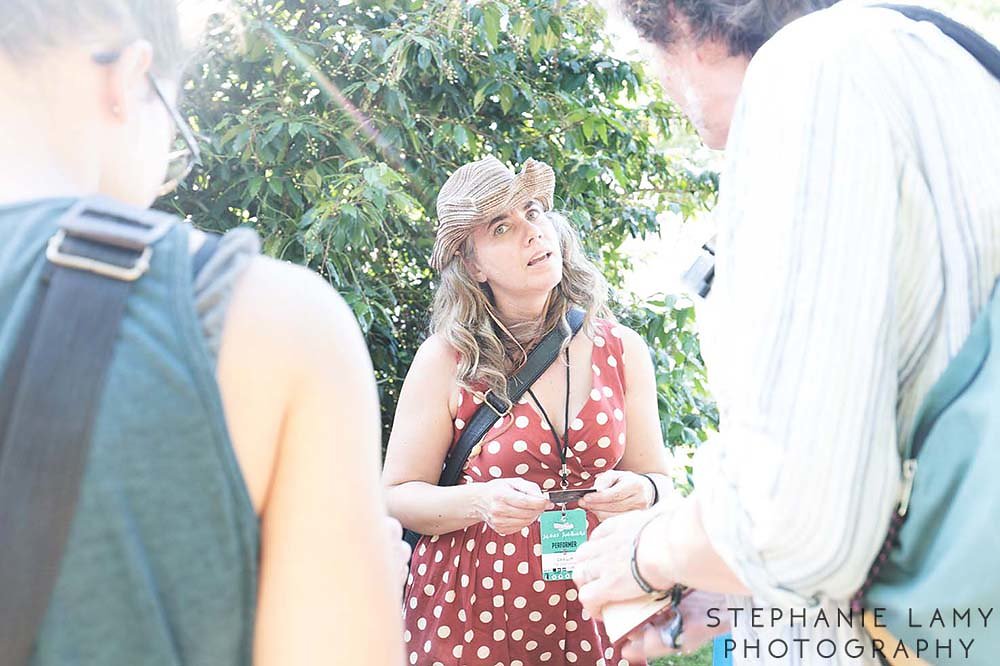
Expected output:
(539, 258)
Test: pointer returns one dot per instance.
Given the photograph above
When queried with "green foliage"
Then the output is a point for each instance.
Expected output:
(331, 132)
(702, 657)
(687, 413)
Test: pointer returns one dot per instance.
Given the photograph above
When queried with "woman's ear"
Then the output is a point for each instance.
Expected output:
(126, 86)
(473, 269)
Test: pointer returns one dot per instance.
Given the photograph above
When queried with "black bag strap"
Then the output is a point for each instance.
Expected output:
(978, 47)
(700, 275)
(539, 359)
(988, 56)
(50, 395)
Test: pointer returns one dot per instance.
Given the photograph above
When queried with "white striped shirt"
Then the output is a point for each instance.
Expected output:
(859, 218)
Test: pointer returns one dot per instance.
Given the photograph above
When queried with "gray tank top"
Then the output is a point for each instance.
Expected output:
(162, 559)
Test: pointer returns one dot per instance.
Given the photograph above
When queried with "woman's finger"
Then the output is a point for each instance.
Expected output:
(525, 502)
(605, 480)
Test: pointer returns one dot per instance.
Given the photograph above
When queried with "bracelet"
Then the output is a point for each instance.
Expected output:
(656, 489)
(644, 584)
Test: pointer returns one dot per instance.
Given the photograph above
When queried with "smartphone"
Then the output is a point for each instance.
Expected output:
(567, 496)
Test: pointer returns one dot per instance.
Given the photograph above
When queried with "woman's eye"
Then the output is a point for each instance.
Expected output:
(500, 230)
(532, 214)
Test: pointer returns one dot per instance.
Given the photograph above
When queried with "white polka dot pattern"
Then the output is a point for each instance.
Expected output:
(475, 597)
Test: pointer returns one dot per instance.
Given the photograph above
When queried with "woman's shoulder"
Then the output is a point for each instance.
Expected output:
(617, 338)
(609, 328)
(434, 371)
(436, 356)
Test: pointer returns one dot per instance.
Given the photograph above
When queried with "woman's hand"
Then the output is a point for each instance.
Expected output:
(648, 641)
(618, 492)
(603, 569)
(509, 505)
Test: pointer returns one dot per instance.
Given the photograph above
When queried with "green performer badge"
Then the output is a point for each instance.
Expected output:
(563, 532)
(562, 535)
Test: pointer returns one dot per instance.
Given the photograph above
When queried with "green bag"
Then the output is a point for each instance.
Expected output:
(935, 582)
(944, 545)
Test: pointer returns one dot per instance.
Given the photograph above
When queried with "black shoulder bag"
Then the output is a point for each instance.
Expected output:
(539, 360)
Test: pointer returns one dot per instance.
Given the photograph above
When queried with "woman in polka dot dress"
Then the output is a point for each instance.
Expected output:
(476, 593)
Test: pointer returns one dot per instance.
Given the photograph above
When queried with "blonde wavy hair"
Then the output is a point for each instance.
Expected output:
(490, 350)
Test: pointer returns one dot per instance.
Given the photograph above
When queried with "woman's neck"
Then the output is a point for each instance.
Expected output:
(523, 318)
(46, 151)
(42, 183)
(521, 311)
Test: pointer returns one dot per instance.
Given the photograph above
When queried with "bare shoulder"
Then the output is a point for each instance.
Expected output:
(295, 317)
(636, 360)
(631, 341)
(436, 355)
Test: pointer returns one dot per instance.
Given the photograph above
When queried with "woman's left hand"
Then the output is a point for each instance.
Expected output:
(618, 492)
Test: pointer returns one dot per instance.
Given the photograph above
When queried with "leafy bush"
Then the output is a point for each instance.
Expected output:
(332, 130)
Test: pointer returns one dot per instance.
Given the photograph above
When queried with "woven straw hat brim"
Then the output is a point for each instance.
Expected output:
(480, 191)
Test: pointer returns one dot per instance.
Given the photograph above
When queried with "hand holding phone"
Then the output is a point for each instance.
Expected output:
(569, 495)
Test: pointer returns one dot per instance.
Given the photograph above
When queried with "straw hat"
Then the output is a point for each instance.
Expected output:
(479, 191)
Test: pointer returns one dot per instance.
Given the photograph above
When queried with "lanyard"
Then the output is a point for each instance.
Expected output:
(561, 444)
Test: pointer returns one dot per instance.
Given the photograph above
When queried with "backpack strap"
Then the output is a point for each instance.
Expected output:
(492, 409)
(978, 47)
(49, 397)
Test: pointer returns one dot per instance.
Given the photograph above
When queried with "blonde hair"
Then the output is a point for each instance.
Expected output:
(29, 27)
(489, 350)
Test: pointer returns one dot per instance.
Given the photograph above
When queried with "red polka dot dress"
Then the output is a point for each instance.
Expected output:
(477, 598)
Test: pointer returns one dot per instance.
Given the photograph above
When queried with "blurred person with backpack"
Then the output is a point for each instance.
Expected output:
(189, 448)
(848, 341)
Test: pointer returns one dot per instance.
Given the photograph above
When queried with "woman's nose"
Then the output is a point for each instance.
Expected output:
(534, 231)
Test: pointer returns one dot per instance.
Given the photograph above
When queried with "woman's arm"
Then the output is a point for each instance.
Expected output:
(645, 451)
(329, 584)
(420, 439)
(624, 489)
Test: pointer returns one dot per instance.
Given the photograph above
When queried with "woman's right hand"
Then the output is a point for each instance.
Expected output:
(509, 505)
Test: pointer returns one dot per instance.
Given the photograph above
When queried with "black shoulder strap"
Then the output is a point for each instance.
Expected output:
(540, 358)
(978, 47)
(50, 394)
(492, 409)
(700, 275)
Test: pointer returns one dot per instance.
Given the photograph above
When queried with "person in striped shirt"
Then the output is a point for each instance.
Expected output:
(859, 238)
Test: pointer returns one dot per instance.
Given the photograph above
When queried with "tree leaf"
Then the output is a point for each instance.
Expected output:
(313, 180)
(423, 58)
(491, 24)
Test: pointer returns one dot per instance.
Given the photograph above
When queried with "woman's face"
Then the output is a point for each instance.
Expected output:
(518, 252)
(139, 133)
(137, 171)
